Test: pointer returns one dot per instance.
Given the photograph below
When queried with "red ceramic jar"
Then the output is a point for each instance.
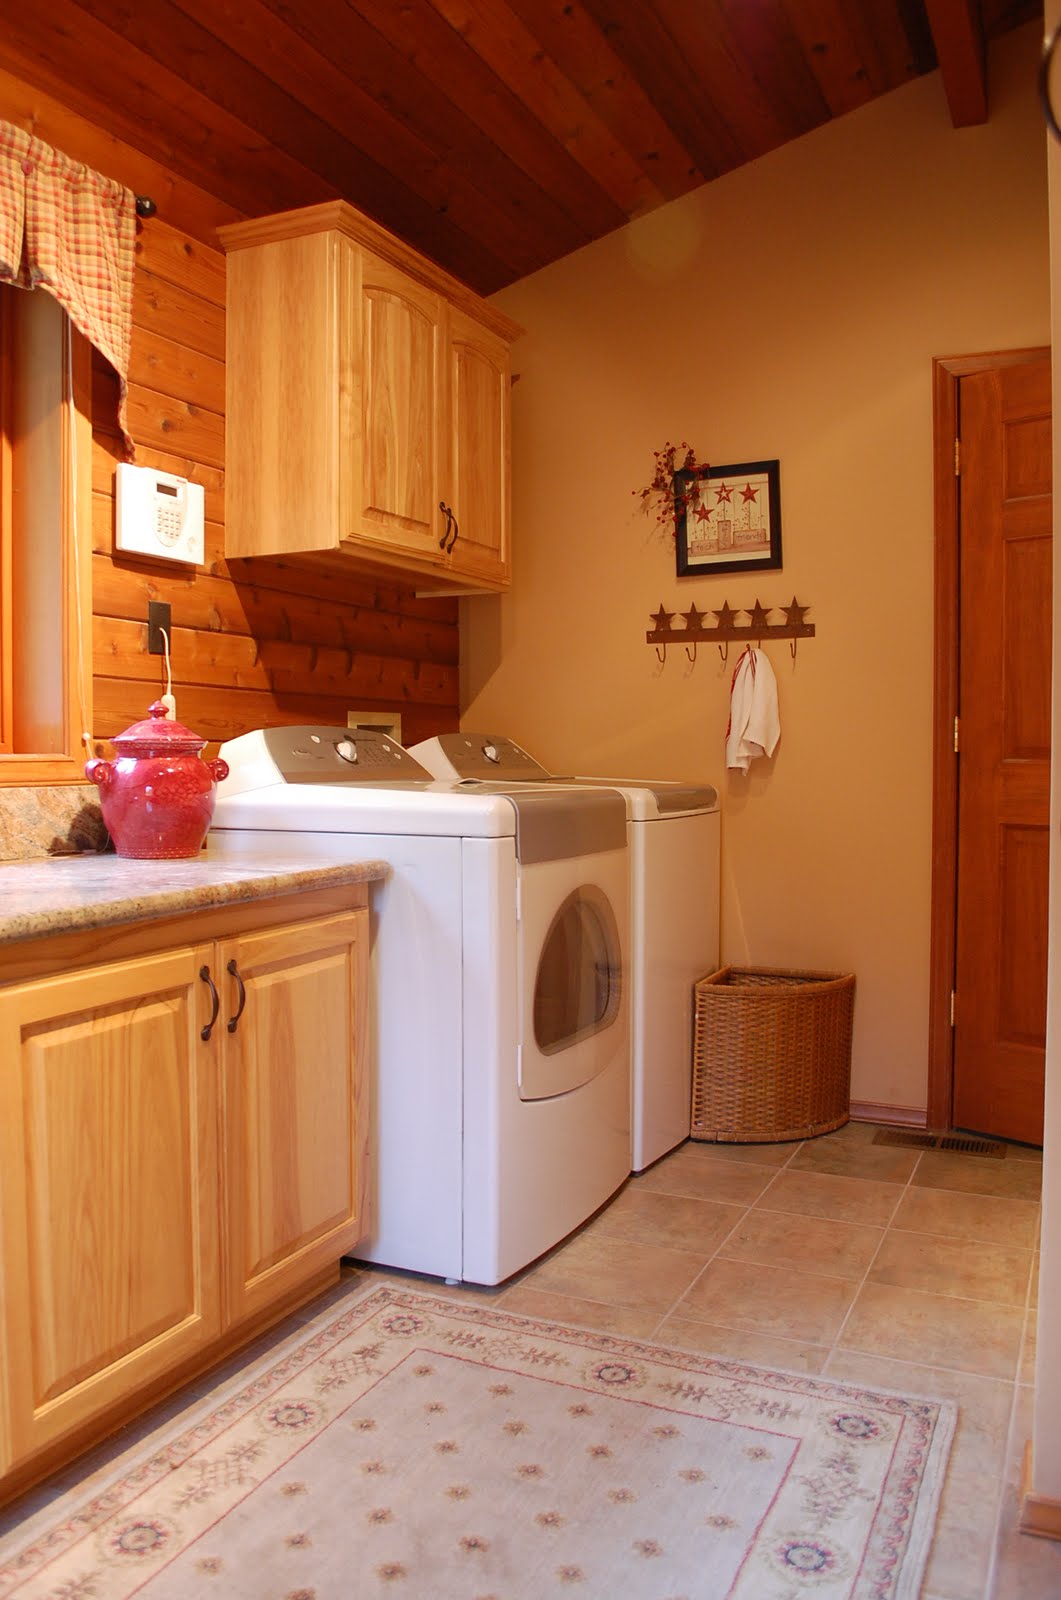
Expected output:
(157, 798)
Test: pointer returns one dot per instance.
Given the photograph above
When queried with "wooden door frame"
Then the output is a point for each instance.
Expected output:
(947, 373)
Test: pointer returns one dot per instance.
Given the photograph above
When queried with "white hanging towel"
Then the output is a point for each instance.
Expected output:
(754, 725)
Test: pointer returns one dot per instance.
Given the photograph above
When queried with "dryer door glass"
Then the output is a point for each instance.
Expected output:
(577, 989)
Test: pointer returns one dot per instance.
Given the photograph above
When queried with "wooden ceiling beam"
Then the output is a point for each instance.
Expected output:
(365, 123)
(426, 51)
(958, 34)
(573, 39)
(512, 51)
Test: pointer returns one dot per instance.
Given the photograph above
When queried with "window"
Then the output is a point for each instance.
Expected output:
(45, 540)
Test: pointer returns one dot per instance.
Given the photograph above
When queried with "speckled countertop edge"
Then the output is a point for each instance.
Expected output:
(79, 893)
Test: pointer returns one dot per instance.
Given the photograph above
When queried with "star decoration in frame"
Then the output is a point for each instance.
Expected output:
(728, 519)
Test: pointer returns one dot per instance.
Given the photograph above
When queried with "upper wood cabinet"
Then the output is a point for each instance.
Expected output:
(368, 404)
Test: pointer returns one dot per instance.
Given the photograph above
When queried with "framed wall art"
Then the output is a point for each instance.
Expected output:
(728, 519)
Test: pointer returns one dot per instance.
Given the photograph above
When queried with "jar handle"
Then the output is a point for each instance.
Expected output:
(101, 773)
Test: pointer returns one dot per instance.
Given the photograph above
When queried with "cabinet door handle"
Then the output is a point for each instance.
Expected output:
(442, 506)
(207, 1030)
(232, 1021)
(456, 531)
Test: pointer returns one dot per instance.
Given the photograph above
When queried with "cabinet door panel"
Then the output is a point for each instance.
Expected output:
(283, 374)
(109, 1183)
(400, 347)
(293, 1125)
(478, 381)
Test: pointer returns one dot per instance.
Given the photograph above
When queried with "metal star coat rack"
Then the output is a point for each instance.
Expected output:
(758, 627)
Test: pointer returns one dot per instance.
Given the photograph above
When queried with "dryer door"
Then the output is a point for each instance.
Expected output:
(574, 994)
(578, 985)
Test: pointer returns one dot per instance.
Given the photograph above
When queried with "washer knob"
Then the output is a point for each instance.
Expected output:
(347, 749)
(491, 752)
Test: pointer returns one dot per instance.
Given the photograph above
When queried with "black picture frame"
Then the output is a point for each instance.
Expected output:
(749, 539)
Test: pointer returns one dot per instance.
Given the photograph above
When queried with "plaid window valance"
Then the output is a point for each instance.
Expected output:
(71, 231)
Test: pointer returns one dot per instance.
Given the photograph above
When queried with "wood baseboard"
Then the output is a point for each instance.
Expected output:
(896, 1116)
(1039, 1515)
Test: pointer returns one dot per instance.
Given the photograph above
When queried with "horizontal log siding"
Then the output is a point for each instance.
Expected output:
(254, 643)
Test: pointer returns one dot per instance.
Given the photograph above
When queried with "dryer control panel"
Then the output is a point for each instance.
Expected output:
(479, 755)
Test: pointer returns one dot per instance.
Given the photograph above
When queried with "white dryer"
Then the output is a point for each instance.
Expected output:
(674, 918)
(500, 1024)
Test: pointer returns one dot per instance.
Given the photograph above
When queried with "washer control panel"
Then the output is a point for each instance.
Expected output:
(319, 755)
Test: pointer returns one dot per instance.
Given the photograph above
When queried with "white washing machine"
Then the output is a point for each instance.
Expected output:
(500, 1024)
(674, 919)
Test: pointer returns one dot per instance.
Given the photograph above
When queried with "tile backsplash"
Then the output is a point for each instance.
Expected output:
(59, 820)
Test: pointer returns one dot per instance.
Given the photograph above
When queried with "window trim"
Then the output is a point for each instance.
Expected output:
(75, 514)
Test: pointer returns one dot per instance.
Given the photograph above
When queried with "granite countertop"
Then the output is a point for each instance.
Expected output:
(70, 893)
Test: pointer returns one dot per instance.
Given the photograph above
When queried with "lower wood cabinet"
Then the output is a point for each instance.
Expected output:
(293, 1199)
(181, 1153)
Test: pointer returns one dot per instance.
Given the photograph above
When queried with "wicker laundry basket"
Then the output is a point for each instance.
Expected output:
(771, 1054)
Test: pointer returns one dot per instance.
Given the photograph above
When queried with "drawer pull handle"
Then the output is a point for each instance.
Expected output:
(204, 973)
(456, 531)
(232, 1021)
(442, 506)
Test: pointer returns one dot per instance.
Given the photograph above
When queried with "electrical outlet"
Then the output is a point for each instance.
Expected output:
(157, 619)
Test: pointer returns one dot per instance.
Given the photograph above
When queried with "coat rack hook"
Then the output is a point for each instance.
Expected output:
(691, 653)
(724, 652)
(792, 643)
(661, 654)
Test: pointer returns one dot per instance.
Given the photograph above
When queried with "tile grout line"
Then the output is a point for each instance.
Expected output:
(671, 1309)
(904, 1191)
(1011, 1434)
(830, 1348)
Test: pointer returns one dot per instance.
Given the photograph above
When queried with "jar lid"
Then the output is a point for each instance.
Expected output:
(158, 732)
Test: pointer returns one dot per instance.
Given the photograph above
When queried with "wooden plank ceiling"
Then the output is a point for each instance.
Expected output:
(494, 135)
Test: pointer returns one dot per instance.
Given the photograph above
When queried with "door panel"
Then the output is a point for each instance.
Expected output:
(1004, 760)
(1026, 636)
(478, 381)
(108, 1172)
(294, 1131)
(1022, 915)
(400, 377)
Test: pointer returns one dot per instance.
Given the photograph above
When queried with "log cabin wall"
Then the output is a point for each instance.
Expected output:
(254, 643)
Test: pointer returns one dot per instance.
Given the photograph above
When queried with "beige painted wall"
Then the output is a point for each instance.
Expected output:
(789, 310)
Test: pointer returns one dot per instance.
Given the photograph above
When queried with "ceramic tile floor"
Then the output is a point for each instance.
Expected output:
(898, 1268)
(905, 1269)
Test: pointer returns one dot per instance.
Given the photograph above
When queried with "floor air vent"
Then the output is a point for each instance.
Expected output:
(965, 1144)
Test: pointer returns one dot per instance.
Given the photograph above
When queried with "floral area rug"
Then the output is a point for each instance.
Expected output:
(409, 1445)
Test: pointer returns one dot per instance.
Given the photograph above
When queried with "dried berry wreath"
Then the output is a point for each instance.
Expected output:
(661, 498)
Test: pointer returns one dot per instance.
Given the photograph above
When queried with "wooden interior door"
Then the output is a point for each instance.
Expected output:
(1003, 751)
